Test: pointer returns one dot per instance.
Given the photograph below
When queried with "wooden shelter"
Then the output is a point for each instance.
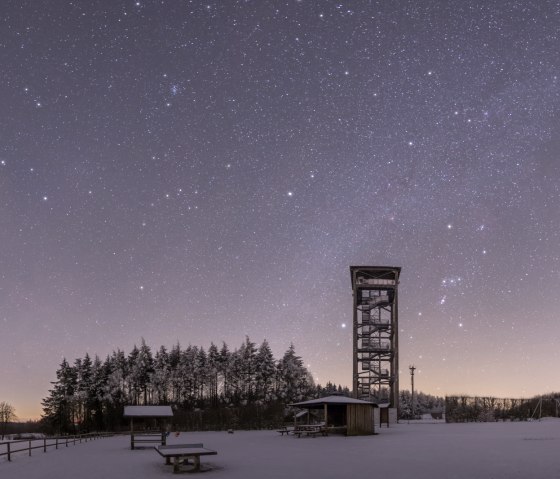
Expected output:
(150, 424)
(339, 412)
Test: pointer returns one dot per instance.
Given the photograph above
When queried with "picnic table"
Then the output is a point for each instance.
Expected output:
(286, 430)
(181, 453)
(311, 430)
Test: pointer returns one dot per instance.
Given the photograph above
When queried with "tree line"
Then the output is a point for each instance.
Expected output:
(489, 409)
(212, 388)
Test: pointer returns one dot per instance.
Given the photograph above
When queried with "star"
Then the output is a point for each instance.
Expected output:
(429, 146)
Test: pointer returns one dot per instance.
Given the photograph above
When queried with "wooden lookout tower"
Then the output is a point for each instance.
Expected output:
(375, 335)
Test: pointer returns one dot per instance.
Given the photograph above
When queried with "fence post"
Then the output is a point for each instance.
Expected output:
(44, 445)
(30, 447)
(56, 443)
(9, 457)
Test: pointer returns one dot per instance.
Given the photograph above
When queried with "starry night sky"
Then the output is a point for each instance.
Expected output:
(200, 171)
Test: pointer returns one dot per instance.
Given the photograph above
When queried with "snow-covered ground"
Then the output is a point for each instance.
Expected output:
(528, 450)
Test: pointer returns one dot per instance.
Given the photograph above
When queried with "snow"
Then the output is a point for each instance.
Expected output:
(337, 400)
(420, 450)
(148, 411)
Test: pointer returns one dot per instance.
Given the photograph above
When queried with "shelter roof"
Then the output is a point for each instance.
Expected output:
(148, 411)
(331, 400)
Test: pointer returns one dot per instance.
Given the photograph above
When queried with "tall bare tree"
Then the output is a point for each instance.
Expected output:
(7, 415)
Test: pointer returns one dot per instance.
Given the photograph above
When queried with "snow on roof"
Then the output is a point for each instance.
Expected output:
(148, 411)
(338, 400)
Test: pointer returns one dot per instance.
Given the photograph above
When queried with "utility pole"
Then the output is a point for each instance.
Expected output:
(412, 368)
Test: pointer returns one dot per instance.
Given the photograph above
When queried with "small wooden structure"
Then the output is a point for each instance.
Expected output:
(150, 424)
(355, 415)
(186, 451)
(381, 415)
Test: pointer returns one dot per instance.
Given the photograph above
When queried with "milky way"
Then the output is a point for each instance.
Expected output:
(201, 171)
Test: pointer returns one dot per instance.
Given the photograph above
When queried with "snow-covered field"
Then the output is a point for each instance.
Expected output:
(529, 450)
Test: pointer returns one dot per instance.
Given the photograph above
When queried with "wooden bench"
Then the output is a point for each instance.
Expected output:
(182, 452)
(147, 437)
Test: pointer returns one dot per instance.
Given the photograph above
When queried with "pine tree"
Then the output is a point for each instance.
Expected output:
(95, 395)
(161, 377)
(213, 370)
(265, 374)
(200, 375)
(247, 369)
(186, 375)
(175, 377)
(82, 394)
(132, 378)
(58, 406)
(294, 383)
(224, 366)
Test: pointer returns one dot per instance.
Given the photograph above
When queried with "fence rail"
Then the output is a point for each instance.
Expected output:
(27, 445)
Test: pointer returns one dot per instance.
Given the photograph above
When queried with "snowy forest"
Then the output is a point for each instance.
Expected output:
(209, 389)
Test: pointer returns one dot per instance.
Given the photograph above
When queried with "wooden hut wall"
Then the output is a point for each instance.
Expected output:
(359, 419)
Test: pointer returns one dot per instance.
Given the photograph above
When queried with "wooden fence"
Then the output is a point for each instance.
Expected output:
(27, 445)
